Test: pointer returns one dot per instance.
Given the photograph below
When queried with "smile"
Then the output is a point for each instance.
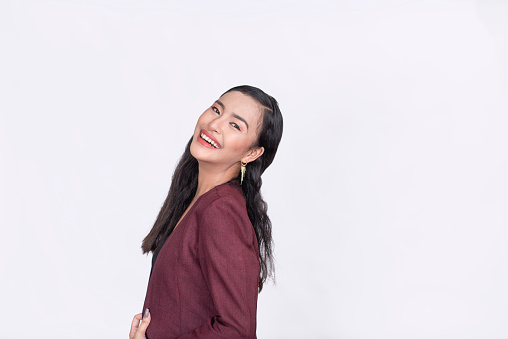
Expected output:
(208, 140)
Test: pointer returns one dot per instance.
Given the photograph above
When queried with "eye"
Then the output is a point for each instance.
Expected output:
(235, 126)
(215, 109)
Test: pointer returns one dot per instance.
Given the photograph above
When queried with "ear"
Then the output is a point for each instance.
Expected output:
(253, 154)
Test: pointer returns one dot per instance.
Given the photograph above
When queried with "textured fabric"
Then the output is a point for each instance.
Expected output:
(204, 281)
(156, 252)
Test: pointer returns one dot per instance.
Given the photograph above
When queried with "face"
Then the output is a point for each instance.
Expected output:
(226, 131)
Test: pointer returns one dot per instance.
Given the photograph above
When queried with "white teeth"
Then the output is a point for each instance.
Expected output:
(210, 141)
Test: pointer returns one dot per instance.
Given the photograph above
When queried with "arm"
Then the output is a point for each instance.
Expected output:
(229, 261)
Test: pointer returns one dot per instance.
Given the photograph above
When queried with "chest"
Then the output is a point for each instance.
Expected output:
(180, 252)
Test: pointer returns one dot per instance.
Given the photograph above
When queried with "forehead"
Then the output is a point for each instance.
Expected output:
(244, 106)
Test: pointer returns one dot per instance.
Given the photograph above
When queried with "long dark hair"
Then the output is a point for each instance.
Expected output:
(185, 180)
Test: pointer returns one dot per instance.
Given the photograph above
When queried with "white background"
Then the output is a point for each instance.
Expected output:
(388, 196)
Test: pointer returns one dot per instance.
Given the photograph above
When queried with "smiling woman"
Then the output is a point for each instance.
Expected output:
(212, 242)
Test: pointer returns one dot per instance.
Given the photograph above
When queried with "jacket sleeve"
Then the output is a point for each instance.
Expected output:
(228, 256)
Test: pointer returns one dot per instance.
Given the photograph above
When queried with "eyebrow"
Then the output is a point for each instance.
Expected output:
(234, 114)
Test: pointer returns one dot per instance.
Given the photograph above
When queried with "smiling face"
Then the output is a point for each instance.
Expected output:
(226, 131)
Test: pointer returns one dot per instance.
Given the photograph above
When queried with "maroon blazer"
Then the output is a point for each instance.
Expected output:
(204, 283)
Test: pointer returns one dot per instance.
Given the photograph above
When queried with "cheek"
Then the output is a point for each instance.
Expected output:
(204, 116)
(199, 123)
(241, 144)
(199, 120)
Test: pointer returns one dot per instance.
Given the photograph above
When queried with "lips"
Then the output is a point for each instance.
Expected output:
(210, 137)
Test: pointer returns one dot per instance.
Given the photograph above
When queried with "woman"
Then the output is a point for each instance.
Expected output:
(211, 242)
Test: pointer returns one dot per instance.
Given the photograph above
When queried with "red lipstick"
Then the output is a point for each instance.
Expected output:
(210, 137)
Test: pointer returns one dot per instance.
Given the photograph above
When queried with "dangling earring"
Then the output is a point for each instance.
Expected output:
(242, 170)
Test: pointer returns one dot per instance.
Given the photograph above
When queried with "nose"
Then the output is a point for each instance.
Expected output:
(216, 124)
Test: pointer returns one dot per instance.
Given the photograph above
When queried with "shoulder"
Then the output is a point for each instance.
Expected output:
(225, 195)
(225, 212)
(230, 191)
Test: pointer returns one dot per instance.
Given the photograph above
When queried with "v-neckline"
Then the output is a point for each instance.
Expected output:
(195, 202)
(187, 212)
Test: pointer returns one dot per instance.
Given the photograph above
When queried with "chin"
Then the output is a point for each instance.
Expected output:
(196, 151)
(193, 147)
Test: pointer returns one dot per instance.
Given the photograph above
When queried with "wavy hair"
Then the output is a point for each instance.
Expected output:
(185, 180)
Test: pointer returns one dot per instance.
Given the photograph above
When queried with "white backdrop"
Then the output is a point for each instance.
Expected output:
(388, 195)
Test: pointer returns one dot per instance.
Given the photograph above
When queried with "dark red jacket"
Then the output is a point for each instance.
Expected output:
(204, 282)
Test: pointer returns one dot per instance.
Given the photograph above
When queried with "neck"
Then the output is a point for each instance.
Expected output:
(210, 176)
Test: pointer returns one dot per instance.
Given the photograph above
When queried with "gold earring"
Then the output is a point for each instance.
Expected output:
(242, 170)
